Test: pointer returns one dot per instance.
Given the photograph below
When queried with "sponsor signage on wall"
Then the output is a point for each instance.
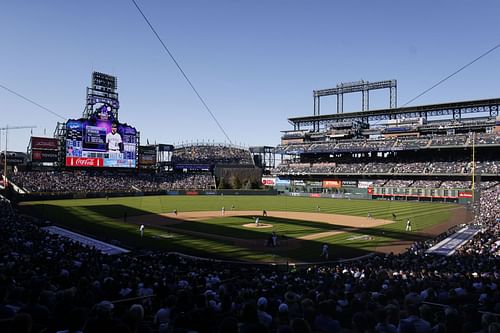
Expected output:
(298, 183)
(332, 183)
(283, 182)
(268, 181)
(465, 195)
(349, 183)
(314, 183)
(364, 184)
(84, 162)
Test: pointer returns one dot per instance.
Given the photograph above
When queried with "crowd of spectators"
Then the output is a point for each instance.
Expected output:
(391, 143)
(211, 154)
(487, 167)
(487, 139)
(411, 167)
(449, 140)
(83, 181)
(52, 284)
(453, 167)
(426, 183)
(453, 184)
(413, 143)
(398, 183)
(196, 181)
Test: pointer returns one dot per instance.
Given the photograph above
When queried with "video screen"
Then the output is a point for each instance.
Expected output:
(100, 141)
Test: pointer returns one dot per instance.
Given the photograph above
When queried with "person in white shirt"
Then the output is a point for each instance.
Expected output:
(114, 139)
(141, 229)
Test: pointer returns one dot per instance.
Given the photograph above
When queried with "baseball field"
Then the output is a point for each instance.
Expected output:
(224, 227)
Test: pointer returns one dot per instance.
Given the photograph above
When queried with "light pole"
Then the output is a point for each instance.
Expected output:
(6, 129)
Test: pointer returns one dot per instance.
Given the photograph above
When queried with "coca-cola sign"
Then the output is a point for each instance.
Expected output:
(85, 162)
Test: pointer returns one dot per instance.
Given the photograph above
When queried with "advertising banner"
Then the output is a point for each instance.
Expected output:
(332, 183)
(364, 184)
(147, 155)
(268, 181)
(147, 159)
(86, 162)
(349, 183)
(44, 143)
(12, 159)
(298, 183)
(38, 155)
(314, 183)
(283, 182)
(465, 195)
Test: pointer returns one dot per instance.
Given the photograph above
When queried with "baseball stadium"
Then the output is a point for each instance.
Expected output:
(389, 201)
(361, 183)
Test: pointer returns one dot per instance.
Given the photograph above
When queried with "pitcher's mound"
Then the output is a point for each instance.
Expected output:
(261, 225)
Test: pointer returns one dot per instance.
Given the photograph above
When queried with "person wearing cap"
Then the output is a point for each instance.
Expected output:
(264, 318)
(141, 229)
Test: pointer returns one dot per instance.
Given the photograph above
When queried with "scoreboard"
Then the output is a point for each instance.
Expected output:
(100, 142)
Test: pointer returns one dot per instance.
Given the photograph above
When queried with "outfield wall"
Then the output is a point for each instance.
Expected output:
(83, 195)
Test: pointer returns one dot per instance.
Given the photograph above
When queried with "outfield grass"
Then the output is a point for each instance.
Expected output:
(225, 237)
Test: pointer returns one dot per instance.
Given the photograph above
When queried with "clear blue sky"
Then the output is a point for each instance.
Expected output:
(255, 63)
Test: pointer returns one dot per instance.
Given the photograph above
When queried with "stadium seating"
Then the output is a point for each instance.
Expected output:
(52, 284)
(51, 182)
(211, 154)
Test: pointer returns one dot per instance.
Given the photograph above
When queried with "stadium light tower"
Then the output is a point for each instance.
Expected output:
(6, 129)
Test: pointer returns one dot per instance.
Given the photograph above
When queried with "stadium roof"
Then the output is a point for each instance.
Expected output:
(457, 109)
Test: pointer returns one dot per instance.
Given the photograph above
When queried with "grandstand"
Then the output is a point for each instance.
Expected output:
(435, 152)
(54, 280)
